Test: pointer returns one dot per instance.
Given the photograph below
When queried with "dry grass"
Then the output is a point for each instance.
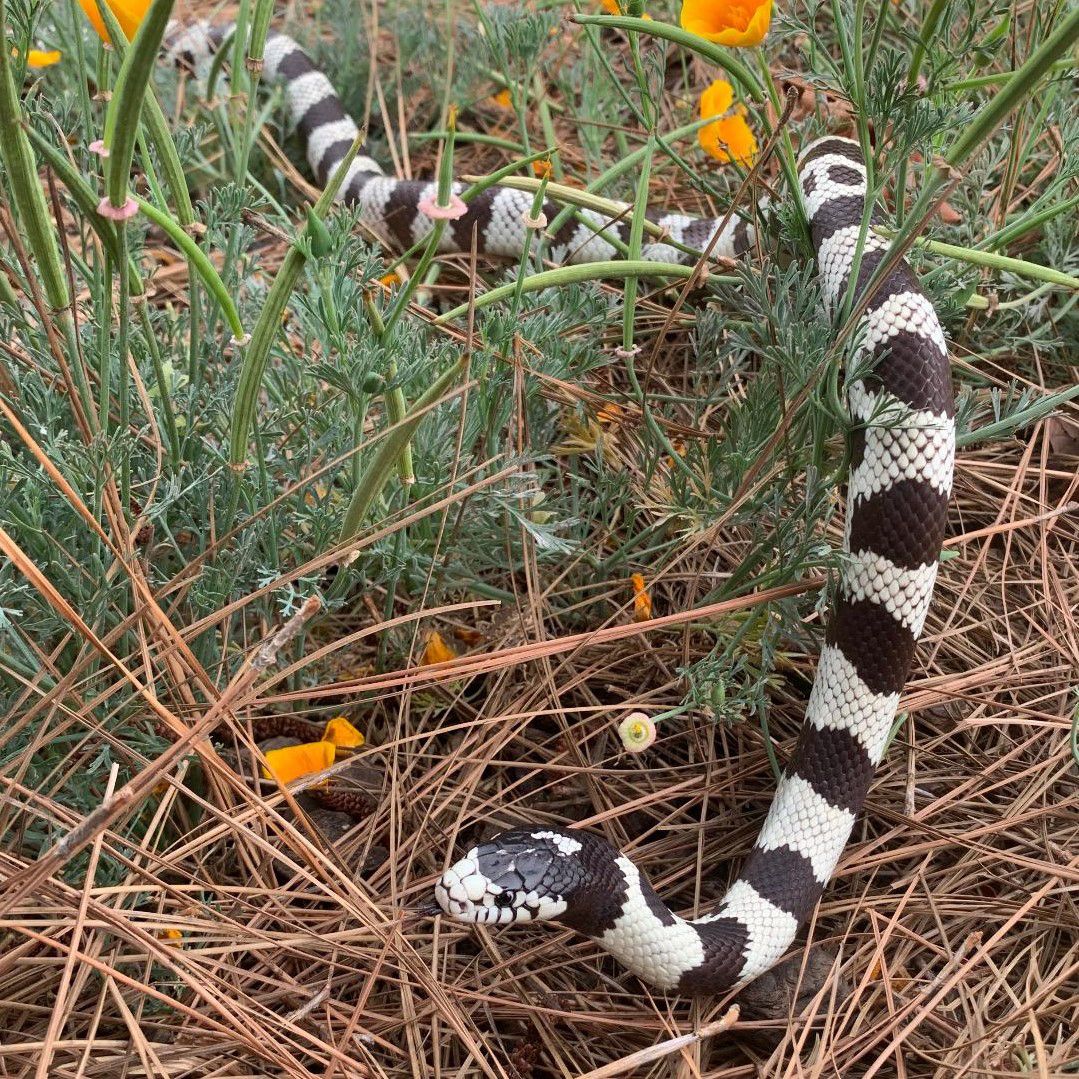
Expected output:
(953, 915)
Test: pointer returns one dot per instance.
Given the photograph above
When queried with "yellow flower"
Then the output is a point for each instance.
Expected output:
(292, 762)
(40, 58)
(503, 99)
(342, 734)
(129, 14)
(727, 22)
(642, 601)
(729, 137)
(437, 651)
(172, 937)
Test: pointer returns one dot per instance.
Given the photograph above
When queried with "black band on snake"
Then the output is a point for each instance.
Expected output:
(897, 504)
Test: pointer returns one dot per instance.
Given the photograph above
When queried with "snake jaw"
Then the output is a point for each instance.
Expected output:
(491, 885)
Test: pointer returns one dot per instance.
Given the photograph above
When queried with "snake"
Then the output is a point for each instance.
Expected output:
(902, 453)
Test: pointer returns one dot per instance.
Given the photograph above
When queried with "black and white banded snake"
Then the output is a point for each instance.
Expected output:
(897, 503)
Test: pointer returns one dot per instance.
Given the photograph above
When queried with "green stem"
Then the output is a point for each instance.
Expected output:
(198, 260)
(713, 53)
(587, 271)
(991, 260)
(268, 326)
(125, 107)
(31, 210)
(378, 472)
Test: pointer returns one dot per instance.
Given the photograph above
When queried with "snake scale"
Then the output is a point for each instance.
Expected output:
(903, 449)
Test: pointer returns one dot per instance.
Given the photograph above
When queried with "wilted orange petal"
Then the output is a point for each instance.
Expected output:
(728, 22)
(437, 651)
(293, 762)
(642, 601)
(129, 14)
(342, 734)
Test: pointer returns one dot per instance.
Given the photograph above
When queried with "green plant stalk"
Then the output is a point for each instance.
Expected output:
(198, 261)
(787, 158)
(993, 261)
(549, 133)
(1037, 411)
(394, 397)
(1016, 89)
(268, 325)
(469, 136)
(1028, 221)
(377, 473)
(125, 108)
(26, 193)
(86, 199)
(929, 28)
(980, 82)
(434, 238)
(530, 232)
(636, 235)
(1026, 78)
(161, 137)
(586, 271)
(715, 54)
(256, 47)
(629, 306)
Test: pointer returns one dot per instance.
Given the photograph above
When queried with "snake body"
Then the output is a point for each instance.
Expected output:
(897, 503)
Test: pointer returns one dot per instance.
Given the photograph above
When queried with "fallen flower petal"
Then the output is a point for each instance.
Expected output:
(294, 762)
(437, 651)
(342, 734)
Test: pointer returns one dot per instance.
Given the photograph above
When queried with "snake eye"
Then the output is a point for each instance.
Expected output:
(504, 899)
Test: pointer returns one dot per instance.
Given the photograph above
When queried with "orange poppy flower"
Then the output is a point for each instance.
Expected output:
(294, 762)
(503, 99)
(728, 22)
(727, 138)
(129, 14)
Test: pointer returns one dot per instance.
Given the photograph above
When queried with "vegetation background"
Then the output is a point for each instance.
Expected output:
(207, 928)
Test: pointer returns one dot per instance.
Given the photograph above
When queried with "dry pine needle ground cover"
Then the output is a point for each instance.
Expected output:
(217, 926)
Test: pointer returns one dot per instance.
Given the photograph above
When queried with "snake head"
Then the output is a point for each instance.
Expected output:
(522, 875)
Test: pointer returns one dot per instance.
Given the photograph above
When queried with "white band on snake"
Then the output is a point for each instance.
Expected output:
(897, 503)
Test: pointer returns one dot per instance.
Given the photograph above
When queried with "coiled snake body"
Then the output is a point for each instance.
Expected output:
(897, 500)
